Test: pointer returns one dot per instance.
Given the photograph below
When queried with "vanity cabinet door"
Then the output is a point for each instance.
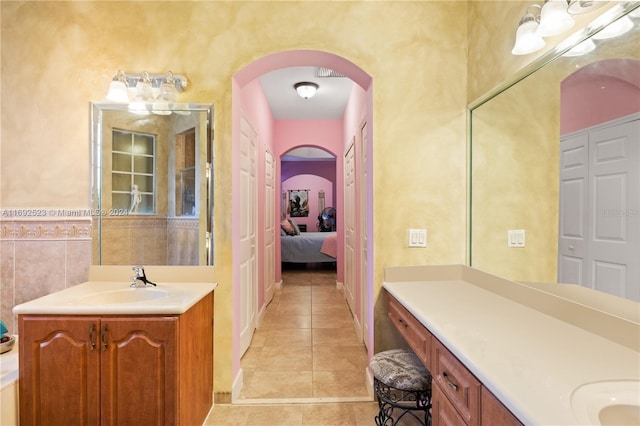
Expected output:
(139, 370)
(62, 384)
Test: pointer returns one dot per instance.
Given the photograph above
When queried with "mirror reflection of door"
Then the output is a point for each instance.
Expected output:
(599, 220)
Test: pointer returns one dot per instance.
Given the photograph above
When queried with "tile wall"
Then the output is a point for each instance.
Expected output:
(40, 255)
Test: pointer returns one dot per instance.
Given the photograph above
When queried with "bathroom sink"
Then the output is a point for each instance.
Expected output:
(124, 295)
(611, 402)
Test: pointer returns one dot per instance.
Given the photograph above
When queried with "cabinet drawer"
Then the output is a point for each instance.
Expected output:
(442, 411)
(457, 383)
(414, 333)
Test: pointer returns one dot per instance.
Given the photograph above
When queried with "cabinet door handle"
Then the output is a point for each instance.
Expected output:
(103, 337)
(92, 335)
(403, 323)
(448, 381)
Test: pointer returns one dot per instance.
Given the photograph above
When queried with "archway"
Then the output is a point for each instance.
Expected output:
(249, 105)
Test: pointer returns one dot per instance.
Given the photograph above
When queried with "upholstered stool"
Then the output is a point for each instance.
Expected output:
(401, 381)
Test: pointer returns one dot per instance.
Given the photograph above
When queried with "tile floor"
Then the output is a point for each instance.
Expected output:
(305, 365)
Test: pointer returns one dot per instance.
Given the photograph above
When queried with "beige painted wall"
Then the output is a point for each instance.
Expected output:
(58, 56)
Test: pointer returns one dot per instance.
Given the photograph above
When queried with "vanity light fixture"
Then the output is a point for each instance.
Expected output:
(141, 91)
(554, 18)
(580, 49)
(527, 39)
(614, 29)
(118, 88)
(578, 7)
(306, 89)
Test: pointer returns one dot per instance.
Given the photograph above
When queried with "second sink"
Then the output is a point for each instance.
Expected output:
(612, 402)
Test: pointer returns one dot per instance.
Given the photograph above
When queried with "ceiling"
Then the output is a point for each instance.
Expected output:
(328, 103)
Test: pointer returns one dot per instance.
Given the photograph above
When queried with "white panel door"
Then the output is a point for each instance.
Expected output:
(599, 227)
(574, 205)
(248, 243)
(269, 231)
(614, 181)
(349, 228)
(364, 237)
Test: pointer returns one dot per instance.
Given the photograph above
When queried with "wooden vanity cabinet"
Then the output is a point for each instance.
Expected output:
(115, 370)
(415, 334)
(458, 397)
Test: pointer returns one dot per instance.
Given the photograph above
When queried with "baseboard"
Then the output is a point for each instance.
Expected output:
(236, 388)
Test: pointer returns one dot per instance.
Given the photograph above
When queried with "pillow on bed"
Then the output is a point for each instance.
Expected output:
(286, 226)
(296, 229)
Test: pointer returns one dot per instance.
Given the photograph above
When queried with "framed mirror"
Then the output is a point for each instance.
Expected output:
(152, 188)
(545, 206)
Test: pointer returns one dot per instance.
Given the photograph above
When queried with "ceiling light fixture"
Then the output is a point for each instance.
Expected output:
(306, 89)
(527, 40)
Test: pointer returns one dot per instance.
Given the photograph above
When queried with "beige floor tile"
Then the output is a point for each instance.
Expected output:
(339, 383)
(250, 358)
(278, 384)
(289, 337)
(294, 309)
(339, 358)
(365, 413)
(280, 320)
(276, 358)
(330, 309)
(329, 296)
(295, 298)
(330, 321)
(228, 415)
(275, 415)
(328, 415)
(259, 336)
(335, 337)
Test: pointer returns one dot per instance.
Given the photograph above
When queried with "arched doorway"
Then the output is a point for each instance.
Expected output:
(250, 110)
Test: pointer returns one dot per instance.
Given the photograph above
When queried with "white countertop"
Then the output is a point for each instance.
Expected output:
(529, 360)
(91, 298)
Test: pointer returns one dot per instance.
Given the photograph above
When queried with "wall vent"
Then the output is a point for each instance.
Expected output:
(327, 72)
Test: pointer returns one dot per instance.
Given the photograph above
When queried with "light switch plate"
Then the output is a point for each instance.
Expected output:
(515, 238)
(417, 237)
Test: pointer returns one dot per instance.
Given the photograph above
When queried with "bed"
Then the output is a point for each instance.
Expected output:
(309, 247)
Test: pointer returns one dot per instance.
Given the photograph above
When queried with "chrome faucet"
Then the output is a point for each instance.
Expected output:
(140, 278)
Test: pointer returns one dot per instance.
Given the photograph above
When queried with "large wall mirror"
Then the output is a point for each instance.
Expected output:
(555, 168)
(152, 185)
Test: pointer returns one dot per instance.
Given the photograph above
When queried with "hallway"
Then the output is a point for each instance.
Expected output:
(305, 365)
(306, 347)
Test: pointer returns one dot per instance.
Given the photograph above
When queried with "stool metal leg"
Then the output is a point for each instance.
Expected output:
(410, 402)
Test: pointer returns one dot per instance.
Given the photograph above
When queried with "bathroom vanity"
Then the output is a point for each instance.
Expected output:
(509, 353)
(105, 353)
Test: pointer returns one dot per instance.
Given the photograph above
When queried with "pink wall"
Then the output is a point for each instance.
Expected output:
(314, 184)
(598, 93)
(325, 134)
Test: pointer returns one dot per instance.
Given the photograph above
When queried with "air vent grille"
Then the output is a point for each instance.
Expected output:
(327, 72)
